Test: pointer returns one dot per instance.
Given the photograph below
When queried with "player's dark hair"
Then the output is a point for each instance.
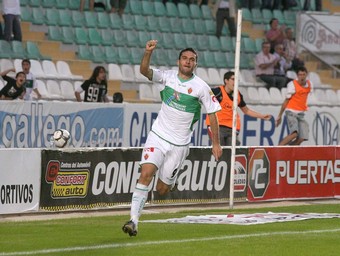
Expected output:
(302, 69)
(16, 76)
(188, 50)
(228, 74)
(272, 20)
(96, 72)
(26, 61)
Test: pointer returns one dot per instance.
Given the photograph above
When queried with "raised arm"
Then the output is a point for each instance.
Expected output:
(145, 63)
(5, 72)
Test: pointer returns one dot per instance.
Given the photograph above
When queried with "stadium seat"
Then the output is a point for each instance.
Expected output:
(111, 54)
(246, 15)
(143, 37)
(43, 90)
(159, 37)
(18, 50)
(145, 92)
(33, 51)
(38, 17)
(103, 20)
(61, 4)
(275, 95)
(257, 16)
(206, 12)
(164, 24)
(54, 33)
(116, 21)
(124, 55)
(254, 94)
(128, 73)
(52, 17)
(179, 40)
(195, 11)
(26, 14)
(191, 40)
(199, 27)
(135, 7)
(115, 72)
(48, 3)
(64, 71)
(90, 19)
(202, 42)
(141, 22)
(258, 44)
(84, 53)
(120, 37)
(78, 19)
(81, 35)
(139, 77)
(172, 57)
(214, 76)
(73, 5)
(278, 14)
(136, 55)
(68, 35)
(148, 8)
(53, 89)
(168, 41)
(265, 95)
(107, 37)
(95, 37)
(98, 54)
(221, 60)
(50, 69)
(128, 21)
(65, 18)
(171, 9)
(161, 58)
(249, 45)
(177, 26)
(132, 39)
(188, 26)
(214, 43)
(210, 27)
(183, 10)
(7, 64)
(67, 90)
(267, 15)
(291, 74)
(209, 59)
(160, 9)
(226, 44)
(152, 23)
(34, 3)
(203, 74)
(290, 17)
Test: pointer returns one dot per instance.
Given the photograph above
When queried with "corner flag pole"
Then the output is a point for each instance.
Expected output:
(237, 71)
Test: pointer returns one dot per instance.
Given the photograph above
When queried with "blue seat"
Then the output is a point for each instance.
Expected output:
(161, 58)
(210, 27)
(164, 24)
(191, 40)
(52, 17)
(136, 55)
(209, 59)
(54, 33)
(103, 20)
(172, 57)
(221, 60)
(156, 35)
(38, 16)
(202, 42)
(199, 27)
(135, 7)
(5, 50)
(65, 18)
(111, 54)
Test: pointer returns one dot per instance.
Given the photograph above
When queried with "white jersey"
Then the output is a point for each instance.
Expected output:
(30, 84)
(181, 105)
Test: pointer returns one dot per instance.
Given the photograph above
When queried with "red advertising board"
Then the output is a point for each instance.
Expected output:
(293, 172)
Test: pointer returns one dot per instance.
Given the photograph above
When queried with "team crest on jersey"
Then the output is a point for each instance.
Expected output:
(146, 156)
(190, 90)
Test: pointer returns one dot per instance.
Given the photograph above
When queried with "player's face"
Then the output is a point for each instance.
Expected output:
(302, 77)
(26, 67)
(230, 83)
(21, 79)
(187, 63)
(102, 75)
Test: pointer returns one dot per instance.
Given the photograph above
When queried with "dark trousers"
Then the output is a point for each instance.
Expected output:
(12, 25)
(274, 81)
(318, 5)
(221, 15)
(1, 33)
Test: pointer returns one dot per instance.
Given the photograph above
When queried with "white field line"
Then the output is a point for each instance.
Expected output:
(139, 244)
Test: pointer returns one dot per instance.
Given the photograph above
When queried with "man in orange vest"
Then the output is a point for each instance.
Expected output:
(224, 94)
(295, 105)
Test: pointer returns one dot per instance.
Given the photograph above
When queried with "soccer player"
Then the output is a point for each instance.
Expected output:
(95, 88)
(295, 105)
(167, 145)
(225, 95)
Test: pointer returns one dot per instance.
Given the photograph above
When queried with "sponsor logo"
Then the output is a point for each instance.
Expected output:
(240, 173)
(325, 129)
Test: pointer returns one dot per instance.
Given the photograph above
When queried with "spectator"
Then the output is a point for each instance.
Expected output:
(291, 51)
(264, 67)
(295, 106)
(225, 10)
(118, 6)
(95, 88)
(31, 83)
(282, 65)
(275, 35)
(15, 87)
(318, 5)
(224, 95)
(11, 14)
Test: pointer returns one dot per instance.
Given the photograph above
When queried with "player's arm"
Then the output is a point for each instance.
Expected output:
(145, 69)
(216, 147)
(252, 113)
(283, 107)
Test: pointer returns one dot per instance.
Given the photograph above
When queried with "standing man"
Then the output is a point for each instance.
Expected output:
(167, 145)
(95, 88)
(31, 83)
(225, 96)
(225, 10)
(295, 105)
(15, 87)
(11, 13)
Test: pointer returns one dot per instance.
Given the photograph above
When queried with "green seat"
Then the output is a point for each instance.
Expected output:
(132, 39)
(128, 21)
(98, 54)
(195, 11)
(5, 50)
(246, 15)
(116, 21)
(137, 54)
(103, 20)
(135, 7)
(61, 4)
(120, 37)
(68, 35)
(164, 24)
(278, 14)
(78, 19)
(221, 60)
(249, 45)
(73, 5)
(188, 26)
(81, 36)
(148, 8)
(209, 59)
(267, 15)
(206, 12)
(161, 58)
(156, 35)
(168, 41)
(210, 26)
(179, 40)
(141, 22)
(214, 43)
(199, 27)
(48, 3)
(38, 16)
(33, 51)
(84, 53)
(111, 54)
(160, 9)
(171, 9)
(176, 25)
(191, 40)
(231, 59)
(107, 37)
(172, 57)
(34, 3)
(95, 38)
(258, 44)
(65, 18)
(90, 19)
(183, 10)
(52, 17)
(290, 17)
(257, 16)
(143, 37)
(152, 23)
(202, 42)
(55, 34)
(23, 2)
(26, 14)
(226, 44)
(124, 56)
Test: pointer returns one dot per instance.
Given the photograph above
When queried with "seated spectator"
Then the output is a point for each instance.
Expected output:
(264, 67)
(15, 87)
(118, 6)
(275, 35)
(283, 64)
(291, 51)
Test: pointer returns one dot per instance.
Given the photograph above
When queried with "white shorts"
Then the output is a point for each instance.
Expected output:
(168, 158)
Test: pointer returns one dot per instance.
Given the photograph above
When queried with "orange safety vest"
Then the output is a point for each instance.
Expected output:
(225, 115)
(298, 101)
